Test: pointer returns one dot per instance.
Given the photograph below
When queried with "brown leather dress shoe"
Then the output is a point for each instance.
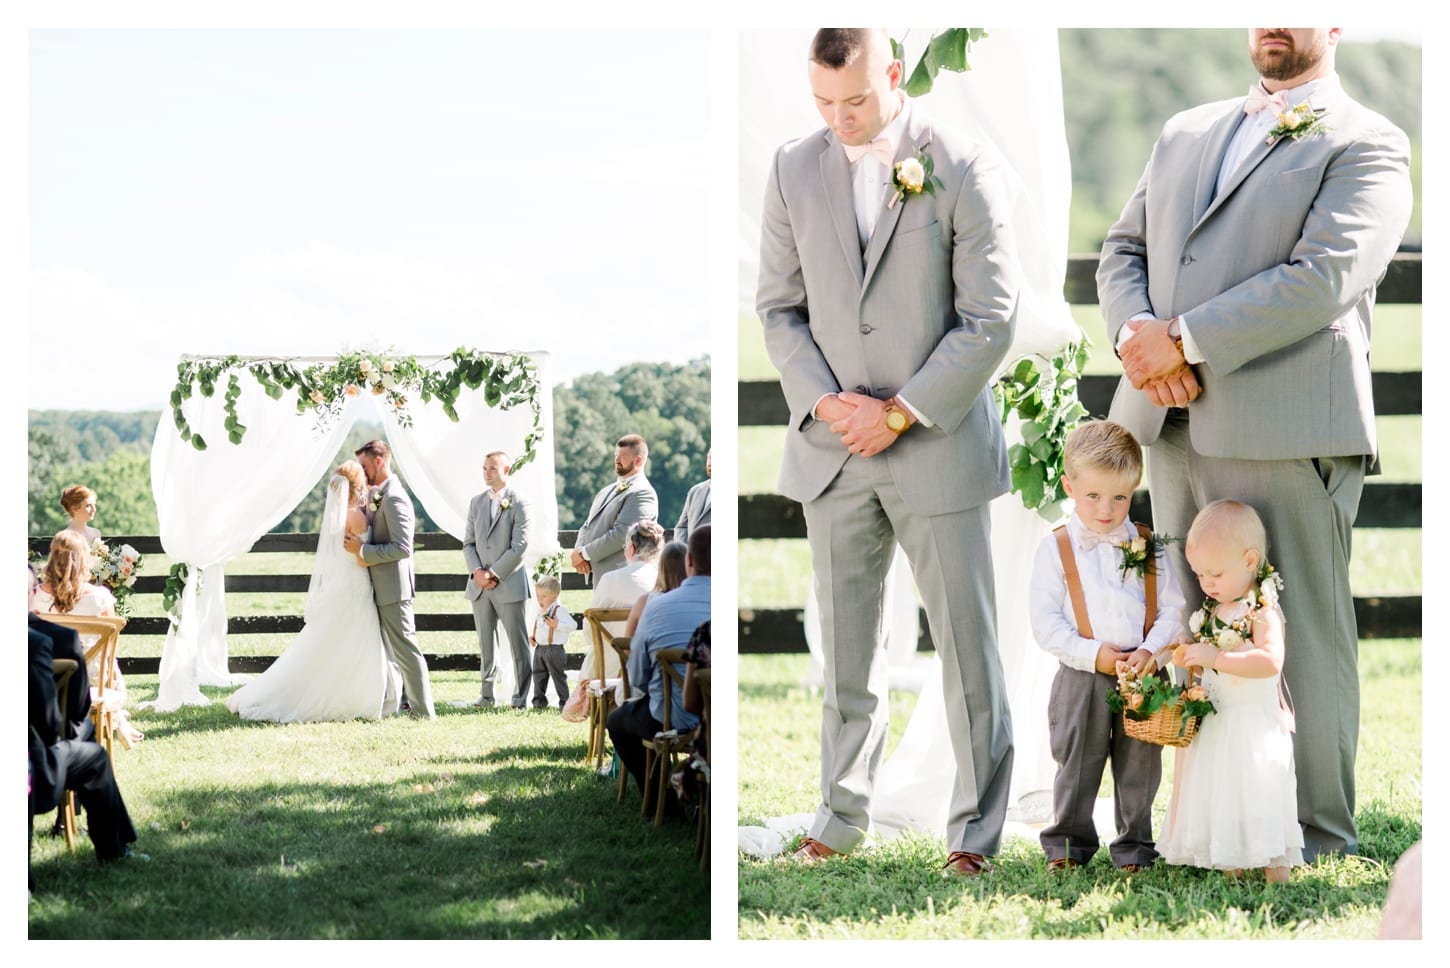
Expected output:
(1062, 864)
(1133, 868)
(966, 864)
(812, 851)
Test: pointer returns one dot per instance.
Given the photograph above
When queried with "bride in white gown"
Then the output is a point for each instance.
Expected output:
(336, 668)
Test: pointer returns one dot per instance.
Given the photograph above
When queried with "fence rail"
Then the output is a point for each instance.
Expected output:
(1383, 505)
(459, 620)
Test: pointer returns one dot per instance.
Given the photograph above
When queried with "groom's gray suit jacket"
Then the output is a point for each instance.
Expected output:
(390, 555)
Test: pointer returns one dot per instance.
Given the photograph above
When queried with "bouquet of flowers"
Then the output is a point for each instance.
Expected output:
(116, 568)
(1157, 711)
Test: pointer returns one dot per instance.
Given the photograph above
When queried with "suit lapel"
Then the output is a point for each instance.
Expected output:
(610, 493)
(914, 139)
(498, 517)
(836, 180)
(1211, 160)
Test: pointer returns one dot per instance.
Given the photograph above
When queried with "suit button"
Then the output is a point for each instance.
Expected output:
(865, 390)
(1187, 259)
(865, 329)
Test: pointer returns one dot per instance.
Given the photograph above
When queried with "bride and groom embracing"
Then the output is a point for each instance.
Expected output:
(358, 644)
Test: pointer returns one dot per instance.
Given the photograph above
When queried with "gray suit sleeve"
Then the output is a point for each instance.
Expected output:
(985, 275)
(470, 547)
(1353, 229)
(509, 561)
(780, 301)
(1123, 263)
(397, 512)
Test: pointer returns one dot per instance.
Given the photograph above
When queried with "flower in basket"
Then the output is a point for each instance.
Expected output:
(1139, 697)
(1140, 555)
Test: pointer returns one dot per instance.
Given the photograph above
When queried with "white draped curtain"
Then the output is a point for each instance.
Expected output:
(213, 505)
(1012, 97)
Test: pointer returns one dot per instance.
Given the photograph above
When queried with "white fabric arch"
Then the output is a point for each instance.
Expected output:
(1013, 98)
(213, 505)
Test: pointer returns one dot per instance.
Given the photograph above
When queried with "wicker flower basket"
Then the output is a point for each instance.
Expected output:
(1165, 727)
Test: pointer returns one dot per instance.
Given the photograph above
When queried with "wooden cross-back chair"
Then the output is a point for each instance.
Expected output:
(621, 649)
(600, 689)
(101, 655)
(702, 829)
(663, 751)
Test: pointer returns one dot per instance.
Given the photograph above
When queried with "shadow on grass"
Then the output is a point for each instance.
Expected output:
(519, 841)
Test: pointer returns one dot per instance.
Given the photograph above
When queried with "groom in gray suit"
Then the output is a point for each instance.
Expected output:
(1240, 280)
(599, 547)
(495, 537)
(389, 557)
(887, 313)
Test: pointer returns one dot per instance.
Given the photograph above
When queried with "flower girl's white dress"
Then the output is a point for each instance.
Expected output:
(1234, 803)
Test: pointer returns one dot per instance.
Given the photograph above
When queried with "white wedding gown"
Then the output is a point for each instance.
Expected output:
(336, 668)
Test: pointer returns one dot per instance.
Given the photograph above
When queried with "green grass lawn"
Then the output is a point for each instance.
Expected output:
(480, 824)
(894, 891)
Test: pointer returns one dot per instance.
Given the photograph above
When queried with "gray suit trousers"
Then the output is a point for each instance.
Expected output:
(486, 615)
(402, 644)
(852, 528)
(1308, 507)
(1085, 734)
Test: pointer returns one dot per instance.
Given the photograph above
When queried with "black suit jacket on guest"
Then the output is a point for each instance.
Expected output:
(65, 643)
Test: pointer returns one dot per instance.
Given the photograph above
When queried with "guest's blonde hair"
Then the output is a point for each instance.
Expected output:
(67, 570)
(357, 481)
(1230, 521)
(73, 498)
(548, 584)
(671, 573)
(1104, 446)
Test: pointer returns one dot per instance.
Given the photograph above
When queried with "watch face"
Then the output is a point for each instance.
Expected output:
(895, 421)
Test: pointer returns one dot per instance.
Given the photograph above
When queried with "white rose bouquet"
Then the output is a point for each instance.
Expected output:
(116, 568)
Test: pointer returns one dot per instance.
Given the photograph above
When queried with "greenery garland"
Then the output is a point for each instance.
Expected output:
(508, 380)
(1048, 405)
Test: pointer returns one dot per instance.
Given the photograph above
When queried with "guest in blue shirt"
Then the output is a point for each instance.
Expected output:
(667, 623)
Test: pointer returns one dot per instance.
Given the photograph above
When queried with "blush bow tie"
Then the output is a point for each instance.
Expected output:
(880, 148)
(1088, 540)
(1260, 99)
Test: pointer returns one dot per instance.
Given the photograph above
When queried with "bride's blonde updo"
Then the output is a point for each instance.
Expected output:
(357, 481)
(67, 570)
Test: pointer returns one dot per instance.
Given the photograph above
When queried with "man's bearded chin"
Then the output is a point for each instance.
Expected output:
(1280, 64)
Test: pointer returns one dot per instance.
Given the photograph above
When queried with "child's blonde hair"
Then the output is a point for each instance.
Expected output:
(548, 584)
(1105, 446)
(1231, 521)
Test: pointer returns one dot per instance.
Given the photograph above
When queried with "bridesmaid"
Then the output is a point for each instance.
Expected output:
(79, 502)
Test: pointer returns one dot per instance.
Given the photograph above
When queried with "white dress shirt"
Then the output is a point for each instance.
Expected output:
(1115, 604)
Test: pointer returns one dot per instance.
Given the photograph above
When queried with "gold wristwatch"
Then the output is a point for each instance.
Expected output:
(896, 420)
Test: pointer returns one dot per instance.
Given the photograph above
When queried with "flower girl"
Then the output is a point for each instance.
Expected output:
(1234, 804)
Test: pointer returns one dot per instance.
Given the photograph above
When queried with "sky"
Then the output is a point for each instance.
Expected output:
(290, 192)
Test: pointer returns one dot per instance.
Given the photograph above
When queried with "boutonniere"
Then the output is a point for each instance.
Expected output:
(912, 176)
(1298, 121)
(1140, 555)
(505, 504)
(621, 487)
(375, 499)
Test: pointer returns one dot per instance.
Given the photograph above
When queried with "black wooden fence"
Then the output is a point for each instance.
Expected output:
(1384, 505)
(457, 619)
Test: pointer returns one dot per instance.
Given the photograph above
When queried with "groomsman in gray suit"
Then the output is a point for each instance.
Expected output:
(495, 537)
(599, 548)
(1240, 280)
(696, 513)
(389, 557)
(887, 314)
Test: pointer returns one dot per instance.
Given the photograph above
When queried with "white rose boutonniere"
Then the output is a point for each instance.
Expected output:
(913, 176)
(375, 499)
(1296, 123)
(505, 504)
(621, 487)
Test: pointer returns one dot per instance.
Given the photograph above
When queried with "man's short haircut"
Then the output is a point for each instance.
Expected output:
(1102, 445)
(700, 549)
(1233, 522)
(499, 454)
(647, 538)
(374, 448)
(635, 443)
(548, 584)
(835, 47)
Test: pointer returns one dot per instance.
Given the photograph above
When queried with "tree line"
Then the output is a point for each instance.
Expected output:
(669, 404)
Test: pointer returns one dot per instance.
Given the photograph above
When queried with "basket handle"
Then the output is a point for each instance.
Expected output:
(1195, 673)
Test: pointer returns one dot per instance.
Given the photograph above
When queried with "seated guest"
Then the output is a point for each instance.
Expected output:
(669, 622)
(623, 586)
(671, 576)
(79, 502)
(58, 764)
(68, 591)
